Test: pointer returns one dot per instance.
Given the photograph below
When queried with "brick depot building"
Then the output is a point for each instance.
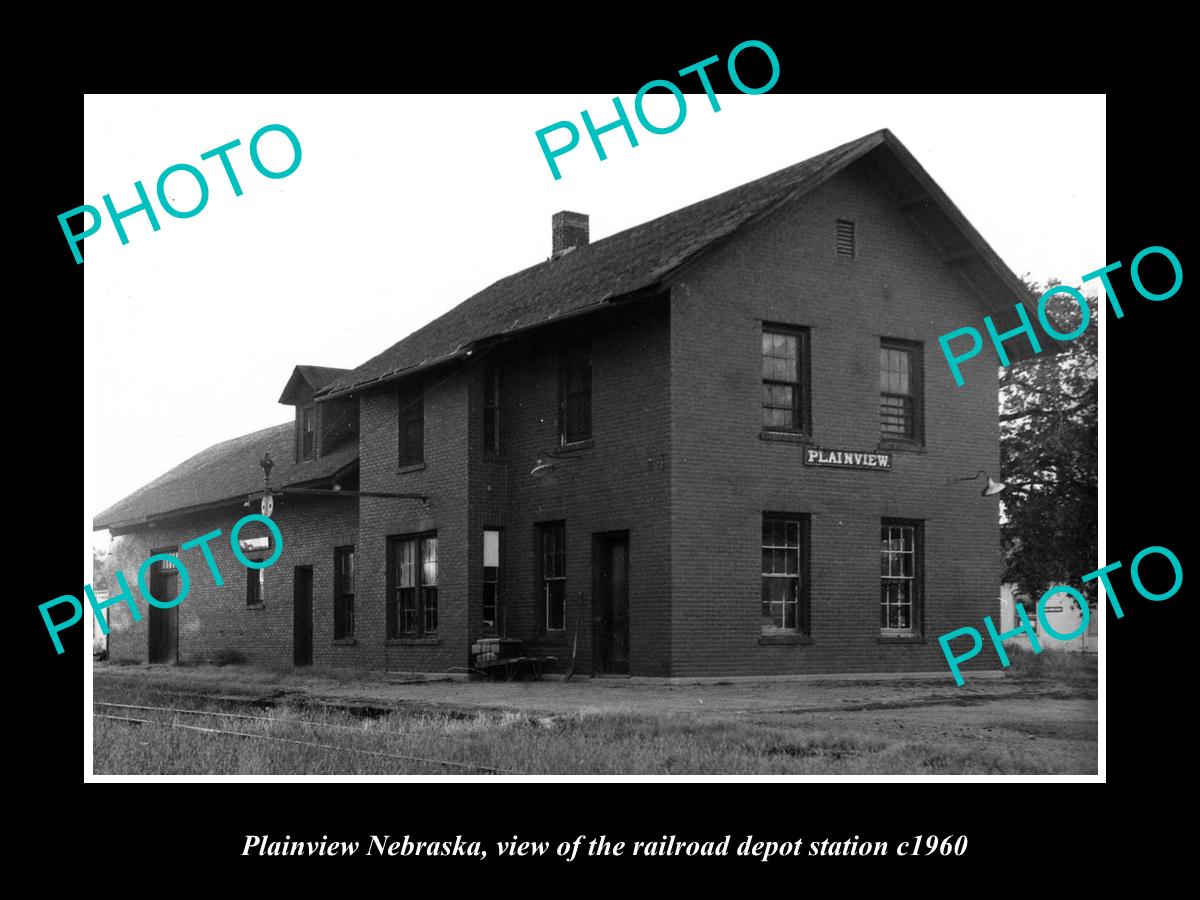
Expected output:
(718, 443)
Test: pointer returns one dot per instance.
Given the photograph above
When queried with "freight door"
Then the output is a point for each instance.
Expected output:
(163, 625)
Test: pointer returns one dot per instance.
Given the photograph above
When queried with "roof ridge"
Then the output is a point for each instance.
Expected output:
(623, 262)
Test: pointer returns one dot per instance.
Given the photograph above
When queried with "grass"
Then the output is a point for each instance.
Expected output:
(1062, 666)
(584, 744)
(992, 735)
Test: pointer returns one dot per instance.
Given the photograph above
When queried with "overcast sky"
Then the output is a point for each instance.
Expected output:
(404, 206)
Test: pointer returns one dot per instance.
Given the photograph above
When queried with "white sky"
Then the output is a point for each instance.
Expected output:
(404, 206)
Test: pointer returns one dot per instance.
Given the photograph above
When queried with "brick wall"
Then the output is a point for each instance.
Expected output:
(213, 619)
(676, 460)
(616, 482)
(443, 478)
(724, 476)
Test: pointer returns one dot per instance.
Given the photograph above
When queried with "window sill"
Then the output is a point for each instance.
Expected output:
(574, 447)
(413, 642)
(902, 447)
(415, 467)
(344, 642)
(256, 606)
(792, 437)
(901, 639)
(783, 640)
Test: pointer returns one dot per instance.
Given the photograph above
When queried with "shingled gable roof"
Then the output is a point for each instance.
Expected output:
(229, 470)
(225, 472)
(640, 259)
(314, 377)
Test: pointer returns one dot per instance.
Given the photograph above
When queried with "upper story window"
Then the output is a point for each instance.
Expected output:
(900, 412)
(491, 409)
(307, 438)
(784, 378)
(412, 425)
(575, 394)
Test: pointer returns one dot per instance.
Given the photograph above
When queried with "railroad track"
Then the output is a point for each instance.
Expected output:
(157, 719)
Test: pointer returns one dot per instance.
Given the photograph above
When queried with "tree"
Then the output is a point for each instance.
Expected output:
(103, 566)
(1048, 456)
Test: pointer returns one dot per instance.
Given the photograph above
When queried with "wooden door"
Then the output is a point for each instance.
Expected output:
(612, 603)
(163, 625)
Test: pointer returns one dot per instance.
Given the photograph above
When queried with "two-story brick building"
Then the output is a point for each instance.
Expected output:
(718, 443)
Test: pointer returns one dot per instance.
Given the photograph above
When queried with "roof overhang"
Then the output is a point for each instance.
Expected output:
(140, 523)
(397, 375)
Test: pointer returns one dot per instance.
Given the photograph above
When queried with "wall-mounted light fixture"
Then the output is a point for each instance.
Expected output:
(989, 490)
(547, 463)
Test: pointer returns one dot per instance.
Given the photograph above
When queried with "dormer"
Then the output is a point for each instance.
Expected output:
(320, 427)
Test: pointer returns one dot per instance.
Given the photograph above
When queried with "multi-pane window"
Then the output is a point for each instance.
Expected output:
(413, 577)
(412, 425)
(308, 432)
(784, 603)
(491, 579)
(491, 409)
(784, 378)
(256, 550)
(899, 575)
(553, 556)
(575, 394)
(343, 592)
(900, 391)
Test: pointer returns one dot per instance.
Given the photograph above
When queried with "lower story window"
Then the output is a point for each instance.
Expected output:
(254, 592)
(784, 565)
(413, 576)
(554, 573)
(256, 550)
(899, 577)
(491, 580)
(343, 592)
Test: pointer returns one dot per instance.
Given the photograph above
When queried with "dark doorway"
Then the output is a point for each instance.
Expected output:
(302, 616)
(164, 623)
(612, 602)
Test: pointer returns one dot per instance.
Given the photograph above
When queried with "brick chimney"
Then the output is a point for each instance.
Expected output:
(570, 230)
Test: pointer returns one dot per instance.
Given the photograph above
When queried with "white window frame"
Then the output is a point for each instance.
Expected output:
(895, 574)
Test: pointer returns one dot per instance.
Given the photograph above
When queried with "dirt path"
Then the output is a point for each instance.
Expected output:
(771, 698)
(988, 725)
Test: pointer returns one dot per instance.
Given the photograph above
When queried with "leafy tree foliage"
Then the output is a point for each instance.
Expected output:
(1048, 454)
